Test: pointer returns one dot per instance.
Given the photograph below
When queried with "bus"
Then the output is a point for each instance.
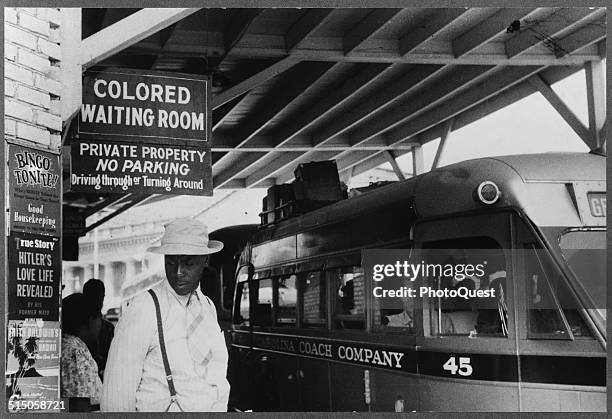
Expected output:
(308, 332)
(218, 283)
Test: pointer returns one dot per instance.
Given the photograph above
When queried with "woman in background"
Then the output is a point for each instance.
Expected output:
(79, 381)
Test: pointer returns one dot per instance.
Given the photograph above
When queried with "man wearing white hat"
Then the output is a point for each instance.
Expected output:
(192, 374)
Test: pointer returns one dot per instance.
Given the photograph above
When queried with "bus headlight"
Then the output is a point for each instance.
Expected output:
(488, 192)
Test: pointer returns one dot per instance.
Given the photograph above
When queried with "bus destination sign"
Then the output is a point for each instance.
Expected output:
(597, 204)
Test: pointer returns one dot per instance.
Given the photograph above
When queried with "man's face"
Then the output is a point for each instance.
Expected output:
(184, 272)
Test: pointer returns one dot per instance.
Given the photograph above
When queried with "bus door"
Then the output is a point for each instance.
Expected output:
(348, 323)
(285, 372)
(261, 376)
(394, 324)
(241, 374)
(313, 345)
(467, 354)
(275, 361)
(562, 363)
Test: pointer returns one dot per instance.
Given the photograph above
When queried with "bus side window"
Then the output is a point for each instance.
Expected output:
(287, 301)
(551, 309)
(314, 299)
(262, 313)
(395, 318)
(349, 311)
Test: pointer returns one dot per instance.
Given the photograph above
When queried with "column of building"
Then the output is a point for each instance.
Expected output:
(32, 87)
(32, 133)
(32, 76)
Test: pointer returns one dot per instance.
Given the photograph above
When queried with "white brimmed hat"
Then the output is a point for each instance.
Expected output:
(186, 236)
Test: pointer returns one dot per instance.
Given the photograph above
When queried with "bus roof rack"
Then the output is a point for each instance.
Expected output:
(316, 185)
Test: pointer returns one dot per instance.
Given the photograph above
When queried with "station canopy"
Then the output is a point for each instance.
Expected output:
(360, 86)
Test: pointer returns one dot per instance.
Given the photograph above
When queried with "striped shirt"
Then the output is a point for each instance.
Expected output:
(134, 379)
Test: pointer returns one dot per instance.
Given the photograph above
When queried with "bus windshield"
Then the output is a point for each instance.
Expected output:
(585, 253)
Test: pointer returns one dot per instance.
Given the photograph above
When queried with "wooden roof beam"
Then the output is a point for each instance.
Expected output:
(223, 144)
(431, 26)
(471, 115)
(603, 134)
(546, 30)
(281, 98)
(166, 34)
(596, 100)
(127, 32)
(323, 153)
(390, 157)
(419, 102)
(448, 127)
(367, 28)
(373, 163)
(485, 31)
(601, 46)
(223, 112)
(390, 94)
(566, 113)
(589, 34)
(338, 98)
(306, 25)
(240, 184)
(332, 102)
(495, 56)
(230, 174)
(254, 81)
(238, 27)
(483, 108)
(285, 159)
(385, 97)
(358, 162)
(257, 46)
(164, 37)
(353, 159)
(302, 149)
(483, 91)
(493, 104)
(418, 163)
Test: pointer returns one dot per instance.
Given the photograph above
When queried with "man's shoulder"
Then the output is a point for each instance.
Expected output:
(141, 307)
(144, 298)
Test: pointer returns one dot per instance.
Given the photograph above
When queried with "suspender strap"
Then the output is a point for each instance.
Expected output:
(162, 345)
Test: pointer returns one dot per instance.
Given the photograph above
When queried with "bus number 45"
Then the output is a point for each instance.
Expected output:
(464, 368)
